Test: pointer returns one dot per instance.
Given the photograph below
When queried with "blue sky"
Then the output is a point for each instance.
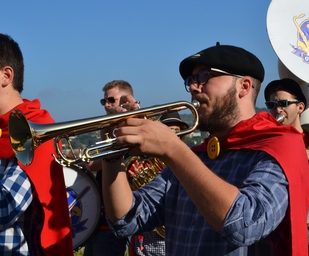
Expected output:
(72, 48)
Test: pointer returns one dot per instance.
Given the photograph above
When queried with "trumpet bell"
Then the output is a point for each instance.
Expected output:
(21, 137)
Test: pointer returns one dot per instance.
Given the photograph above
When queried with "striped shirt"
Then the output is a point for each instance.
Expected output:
(258, 209)
(21, 215)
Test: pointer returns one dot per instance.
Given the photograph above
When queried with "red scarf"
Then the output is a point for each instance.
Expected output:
(47, 177)
(285, 144)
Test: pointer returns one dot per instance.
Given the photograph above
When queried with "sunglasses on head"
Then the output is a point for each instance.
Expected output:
(279, 103)
(109, 100)
(202, 77)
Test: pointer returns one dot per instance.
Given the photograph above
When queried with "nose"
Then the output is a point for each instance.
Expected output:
(108, 104)
(196, 88)
(276, 111)
(279, 109)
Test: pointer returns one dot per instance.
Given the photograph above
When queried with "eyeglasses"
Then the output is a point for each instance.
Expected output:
(109, 99)
(202, 77)
(279, 103)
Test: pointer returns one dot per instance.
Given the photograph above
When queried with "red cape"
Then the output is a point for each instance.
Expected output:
(47, 177)
(285, 144)
(306, 139)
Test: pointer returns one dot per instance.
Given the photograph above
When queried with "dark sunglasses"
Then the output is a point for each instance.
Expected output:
(109, 99)
(279, 103)
(202, 77)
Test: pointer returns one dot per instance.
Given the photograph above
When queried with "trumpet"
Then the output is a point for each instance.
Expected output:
(26, 136)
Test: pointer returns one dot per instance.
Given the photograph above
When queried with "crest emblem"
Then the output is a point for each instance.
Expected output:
(302, 48)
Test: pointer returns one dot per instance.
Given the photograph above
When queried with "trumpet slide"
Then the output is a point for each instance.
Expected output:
(26, 136)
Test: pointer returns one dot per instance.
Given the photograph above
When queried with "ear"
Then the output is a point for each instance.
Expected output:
(300, 107)
(245, 86)
(7, 74)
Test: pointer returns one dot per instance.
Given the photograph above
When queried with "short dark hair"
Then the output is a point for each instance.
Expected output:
(288, 85)
(121, 84)
(11, 55)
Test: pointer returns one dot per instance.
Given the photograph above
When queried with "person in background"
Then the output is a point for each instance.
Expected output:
(238, 193)
(174, 122)
(44, 173)
(152, 243)
(104, 240)
(285, 98)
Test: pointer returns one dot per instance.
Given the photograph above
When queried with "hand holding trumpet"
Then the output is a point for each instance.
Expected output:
(146, 137)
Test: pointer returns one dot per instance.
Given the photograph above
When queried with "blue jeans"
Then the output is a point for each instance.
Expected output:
(104, 242)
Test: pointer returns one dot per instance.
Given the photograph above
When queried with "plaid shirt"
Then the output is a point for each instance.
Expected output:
(149, 244)
(21, 215)
(258, 209)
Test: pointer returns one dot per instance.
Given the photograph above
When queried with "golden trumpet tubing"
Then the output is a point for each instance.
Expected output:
(32, 135)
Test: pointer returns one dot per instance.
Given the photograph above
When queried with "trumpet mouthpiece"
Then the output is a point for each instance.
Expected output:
(280, 118)
(196, 104)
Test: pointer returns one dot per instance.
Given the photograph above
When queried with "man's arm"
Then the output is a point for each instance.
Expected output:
(211, 195)
(117, 193)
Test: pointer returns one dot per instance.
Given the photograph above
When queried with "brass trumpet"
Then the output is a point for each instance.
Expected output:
(26, 136)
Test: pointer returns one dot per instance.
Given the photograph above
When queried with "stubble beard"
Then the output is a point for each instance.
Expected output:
(224, 114)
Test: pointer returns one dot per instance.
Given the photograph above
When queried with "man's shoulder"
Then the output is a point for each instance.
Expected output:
(34, 113)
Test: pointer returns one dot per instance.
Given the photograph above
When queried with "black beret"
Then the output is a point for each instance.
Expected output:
(288, 85)
(228, 58)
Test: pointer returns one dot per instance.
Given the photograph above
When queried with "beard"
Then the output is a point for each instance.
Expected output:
(224, 113)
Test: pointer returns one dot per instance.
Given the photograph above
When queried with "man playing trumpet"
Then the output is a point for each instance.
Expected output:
(237, 193)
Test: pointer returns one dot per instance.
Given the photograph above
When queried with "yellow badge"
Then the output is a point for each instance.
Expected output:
(213, 148)
(0, 132)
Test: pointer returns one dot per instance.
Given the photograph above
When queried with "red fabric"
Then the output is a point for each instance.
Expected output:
(47, 177)
(285, 144)
(306, 139)
(132, 247)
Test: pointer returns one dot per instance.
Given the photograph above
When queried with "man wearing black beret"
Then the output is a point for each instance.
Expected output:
(238, 193)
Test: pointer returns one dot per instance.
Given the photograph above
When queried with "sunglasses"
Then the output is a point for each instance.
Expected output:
(202, 77)
(109, 100)
(279, 103)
